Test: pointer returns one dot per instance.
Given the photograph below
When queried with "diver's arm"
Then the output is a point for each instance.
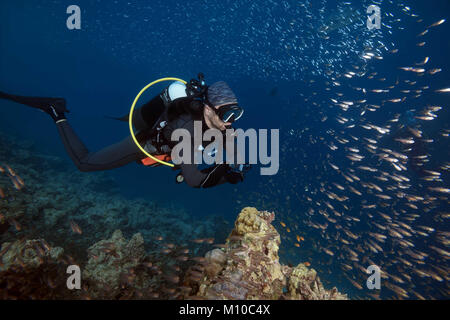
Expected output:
(212, 176)
(209, 177)
(193, 176)
(220, 174)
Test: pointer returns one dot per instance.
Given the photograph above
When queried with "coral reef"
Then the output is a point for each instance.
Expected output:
(245, 267)
(248, 267)
(31, 269)
(169, 255)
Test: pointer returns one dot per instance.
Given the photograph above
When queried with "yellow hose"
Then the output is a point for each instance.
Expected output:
(130, 120)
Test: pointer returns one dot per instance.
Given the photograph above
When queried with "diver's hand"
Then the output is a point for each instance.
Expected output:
(237, 173)
(242, 168)
(246, 168)
(234, 177)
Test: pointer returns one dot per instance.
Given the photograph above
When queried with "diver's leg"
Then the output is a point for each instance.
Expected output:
(111, 157)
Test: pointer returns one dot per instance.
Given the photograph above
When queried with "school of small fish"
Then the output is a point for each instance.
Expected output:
(378, 191)
(279, 40)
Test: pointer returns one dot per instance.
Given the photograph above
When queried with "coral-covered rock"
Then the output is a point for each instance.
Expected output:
(215, 260)
(248, 266)
(29, 254)
(256, 232)
(112, 265)
(31, 269)
(304, 284)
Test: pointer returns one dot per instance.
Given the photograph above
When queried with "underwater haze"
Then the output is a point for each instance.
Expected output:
(363, 118)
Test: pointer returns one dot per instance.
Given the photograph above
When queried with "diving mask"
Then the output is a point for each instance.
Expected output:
(229, 113)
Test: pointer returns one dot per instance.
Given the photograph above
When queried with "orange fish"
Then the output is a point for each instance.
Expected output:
(182, 258)
(283, 224)
(20, 181)
(16, 184)
(11, 171)
(307, 264)
(45, 245)
(288, 230)
(297, 245)
(206, 240)
(301, 238)
(172, 278)
(75, 227)
(199, 259)
(2, 170)
(2, 194)
(16, 225)
(298, 238)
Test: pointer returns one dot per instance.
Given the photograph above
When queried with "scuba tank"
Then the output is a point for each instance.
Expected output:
(196, 89)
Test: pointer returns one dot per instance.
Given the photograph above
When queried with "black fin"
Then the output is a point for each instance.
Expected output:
(38, 102)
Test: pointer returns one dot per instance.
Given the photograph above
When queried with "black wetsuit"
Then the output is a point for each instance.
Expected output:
(126, 151)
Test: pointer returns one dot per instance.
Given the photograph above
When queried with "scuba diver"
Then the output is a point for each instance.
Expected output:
(178, 106)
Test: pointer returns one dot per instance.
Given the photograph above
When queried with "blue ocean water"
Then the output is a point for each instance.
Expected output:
(279, 63)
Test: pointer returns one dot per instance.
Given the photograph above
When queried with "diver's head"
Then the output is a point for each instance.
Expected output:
(221, 106)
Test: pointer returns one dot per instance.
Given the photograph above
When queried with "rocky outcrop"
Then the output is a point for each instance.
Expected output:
(248, 267)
